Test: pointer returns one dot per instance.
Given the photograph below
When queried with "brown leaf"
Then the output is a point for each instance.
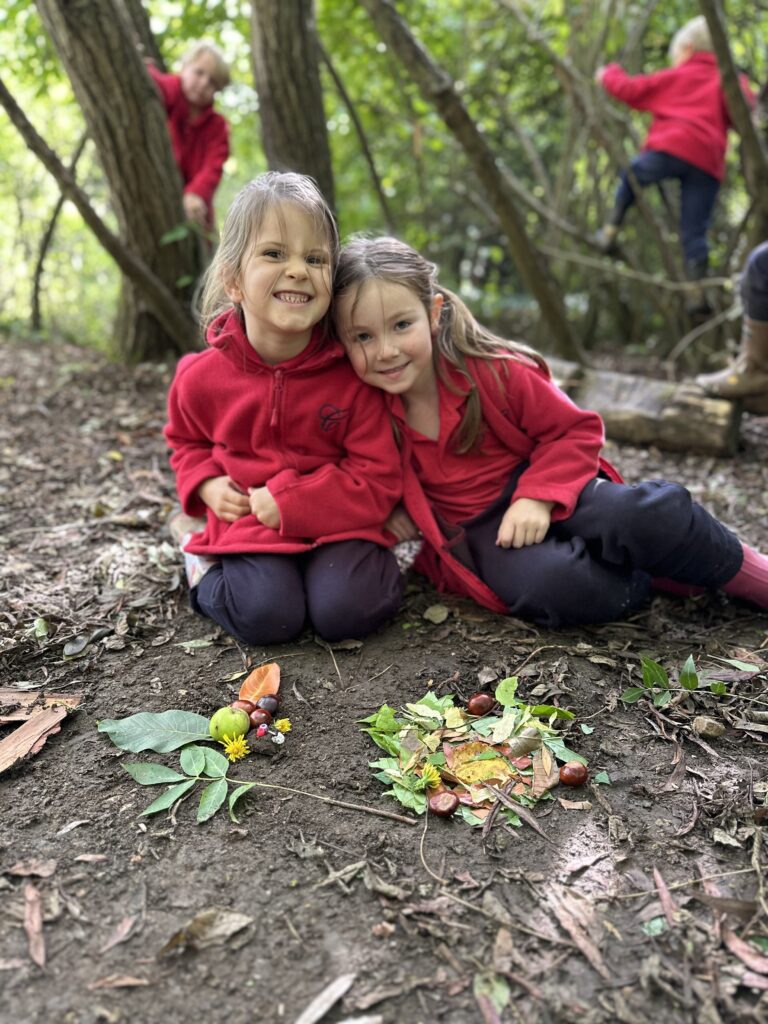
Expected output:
(122, 933)
(668, 905)
(545, 773)
(576, 917)
(33, 924)
(211, 927)
(41, 868)
(118, 981)
(325, 1001)
(263, 681)
(746, 953)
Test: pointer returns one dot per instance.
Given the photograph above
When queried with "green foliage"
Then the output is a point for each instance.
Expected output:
(162, 732)
(656, 684)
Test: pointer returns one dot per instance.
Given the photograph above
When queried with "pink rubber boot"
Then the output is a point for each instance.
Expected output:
(751, 581)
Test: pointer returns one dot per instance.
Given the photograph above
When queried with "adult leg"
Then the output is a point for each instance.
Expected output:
(352, 588)
(257, 598)
(747, 377)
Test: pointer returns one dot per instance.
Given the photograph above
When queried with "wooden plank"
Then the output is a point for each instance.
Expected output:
(30, 737)
(22, 703)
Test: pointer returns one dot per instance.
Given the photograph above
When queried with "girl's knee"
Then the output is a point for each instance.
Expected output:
(349, 612)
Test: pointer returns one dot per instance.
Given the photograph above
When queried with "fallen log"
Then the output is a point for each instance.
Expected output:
(639, 410)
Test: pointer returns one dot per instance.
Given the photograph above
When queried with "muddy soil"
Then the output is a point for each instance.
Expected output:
(604, 918)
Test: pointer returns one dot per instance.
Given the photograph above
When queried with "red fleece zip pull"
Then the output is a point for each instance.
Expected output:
(276, 396)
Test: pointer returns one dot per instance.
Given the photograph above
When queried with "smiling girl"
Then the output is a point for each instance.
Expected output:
(503, 474)
(274, 438)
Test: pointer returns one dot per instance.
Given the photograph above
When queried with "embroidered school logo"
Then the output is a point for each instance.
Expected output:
(331, 416)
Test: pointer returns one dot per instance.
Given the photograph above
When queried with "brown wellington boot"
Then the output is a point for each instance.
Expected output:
(748, 375)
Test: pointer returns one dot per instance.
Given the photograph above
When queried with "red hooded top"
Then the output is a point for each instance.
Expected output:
(536, 423)
(308, 429)
(690, 116)
(200, 147)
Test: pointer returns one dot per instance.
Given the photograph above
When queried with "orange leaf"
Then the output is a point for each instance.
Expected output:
(263, 681)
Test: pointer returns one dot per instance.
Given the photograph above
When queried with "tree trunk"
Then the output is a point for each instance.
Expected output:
(437, 88)
(127, 123)
(286, 58)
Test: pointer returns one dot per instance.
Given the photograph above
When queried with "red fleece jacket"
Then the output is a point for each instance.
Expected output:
(538, 424)
(308, 429)
(201, 147)
(690, 116)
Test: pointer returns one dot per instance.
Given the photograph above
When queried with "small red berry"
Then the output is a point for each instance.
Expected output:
(573, 773)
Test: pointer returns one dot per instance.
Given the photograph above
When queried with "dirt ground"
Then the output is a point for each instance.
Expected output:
(604, 919)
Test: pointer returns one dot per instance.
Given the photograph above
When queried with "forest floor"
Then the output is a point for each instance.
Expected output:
(645, 900)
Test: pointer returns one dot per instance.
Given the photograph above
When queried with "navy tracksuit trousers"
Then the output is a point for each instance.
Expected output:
(345, 590)
(597, 565)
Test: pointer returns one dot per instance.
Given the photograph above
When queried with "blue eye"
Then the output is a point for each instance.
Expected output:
(273, 254)
(402, 325)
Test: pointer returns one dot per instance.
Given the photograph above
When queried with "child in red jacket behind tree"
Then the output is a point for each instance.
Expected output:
(199, 136)
(687, 139)
(276, 441)
(503, 475)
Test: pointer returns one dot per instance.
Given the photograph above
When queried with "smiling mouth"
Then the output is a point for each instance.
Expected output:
(293, 298)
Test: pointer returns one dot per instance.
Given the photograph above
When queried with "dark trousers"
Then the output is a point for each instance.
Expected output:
(754, 284)
(345, 590)
(698, 192)
(597, 565)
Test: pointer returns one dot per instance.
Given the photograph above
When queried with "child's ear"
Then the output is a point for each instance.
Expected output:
(232, 288)
(437, 308)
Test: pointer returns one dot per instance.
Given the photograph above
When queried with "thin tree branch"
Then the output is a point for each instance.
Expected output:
(367, 154)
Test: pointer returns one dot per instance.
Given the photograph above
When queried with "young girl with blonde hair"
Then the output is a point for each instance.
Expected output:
(504, 480)
(276, 441)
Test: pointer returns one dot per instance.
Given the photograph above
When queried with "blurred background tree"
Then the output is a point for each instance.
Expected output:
(522, 71)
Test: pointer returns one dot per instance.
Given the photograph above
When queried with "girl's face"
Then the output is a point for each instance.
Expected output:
(284, 286)
(387, 333)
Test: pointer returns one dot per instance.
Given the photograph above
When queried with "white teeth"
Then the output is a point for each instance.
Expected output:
(292, 298)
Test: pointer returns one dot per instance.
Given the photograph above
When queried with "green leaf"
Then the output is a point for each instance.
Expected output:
(603, 778)
(661, 699)
(40, 629)
(655, 926)
(148, 774)
(689, 679)
(653, 674)
(561, 752)
(234, 796)
(147, 731)
(193, 760)
(169, 797)
(506, 690)
(716, 686)
(494, 988)
(547, 710)
(634, 693)
(216, 765)
(382, 720)
(469, 816)
(586, 729)
(742, 666)
(213, 797)
(176, 234)
(386, 742)
(761, 941)
(184, 280)
(408, 798)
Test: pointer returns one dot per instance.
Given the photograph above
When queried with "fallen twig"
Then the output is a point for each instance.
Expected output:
(328, 800)
(680, 885)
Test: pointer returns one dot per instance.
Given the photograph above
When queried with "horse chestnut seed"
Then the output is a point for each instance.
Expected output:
(443, 804)
(245, 705)
(260, 717)
(480, 704)
(573, 773)
(270, 703)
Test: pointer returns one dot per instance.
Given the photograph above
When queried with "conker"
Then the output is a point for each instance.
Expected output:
(480, 704)
(443, 804)
(269, 703)
(573, 773)
(260, 717)
(244, 705)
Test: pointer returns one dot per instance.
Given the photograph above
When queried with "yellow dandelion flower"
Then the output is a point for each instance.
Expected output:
(431, 776)
(235, 747)
(283, 725)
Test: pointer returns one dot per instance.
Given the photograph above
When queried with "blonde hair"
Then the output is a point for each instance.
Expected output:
(694, 35)
(457, 336)
(243, 222)
(201, 47)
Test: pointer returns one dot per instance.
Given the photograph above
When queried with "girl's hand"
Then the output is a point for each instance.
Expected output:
(401, 524)
(264, 507)
(599, 74)
(525, 522)
(223, 498)
(194, 207)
